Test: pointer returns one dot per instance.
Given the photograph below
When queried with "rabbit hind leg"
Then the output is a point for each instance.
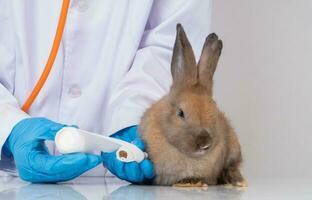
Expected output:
(233, 177)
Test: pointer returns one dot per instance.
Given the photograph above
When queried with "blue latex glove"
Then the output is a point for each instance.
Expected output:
(34, 163)
(134, 172)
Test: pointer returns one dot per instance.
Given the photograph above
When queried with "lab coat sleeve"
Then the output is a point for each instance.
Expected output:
(10, 112)
(149, 78)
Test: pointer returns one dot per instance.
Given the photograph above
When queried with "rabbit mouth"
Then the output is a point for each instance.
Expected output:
(200, 152)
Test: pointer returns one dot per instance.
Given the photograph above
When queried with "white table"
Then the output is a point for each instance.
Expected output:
(110, 188)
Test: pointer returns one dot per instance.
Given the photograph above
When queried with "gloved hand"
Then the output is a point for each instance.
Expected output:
(133, 171)
(34, 163)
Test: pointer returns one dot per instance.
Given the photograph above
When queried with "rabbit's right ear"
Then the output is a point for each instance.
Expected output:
(183, 64)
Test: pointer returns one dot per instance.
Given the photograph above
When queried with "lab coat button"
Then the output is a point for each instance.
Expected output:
(74, 91)
(82, 5)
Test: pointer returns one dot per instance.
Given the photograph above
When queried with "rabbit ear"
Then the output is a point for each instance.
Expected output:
(183, 64)
(208, 61)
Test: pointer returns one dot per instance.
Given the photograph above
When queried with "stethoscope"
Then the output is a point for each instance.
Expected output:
(70, 139)
(47, 69)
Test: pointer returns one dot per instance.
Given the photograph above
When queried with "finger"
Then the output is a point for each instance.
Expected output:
(48, 124)
(127, 134)
(116, 136)
(64, 166)
(48, 129)
(50, 134)
(139, 143)
(133, 133)
(147, 168)
(133, 172)
(81, 167)
(114, 165)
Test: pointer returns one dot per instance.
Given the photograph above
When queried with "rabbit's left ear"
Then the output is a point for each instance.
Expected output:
(183, 64)
(208, 61)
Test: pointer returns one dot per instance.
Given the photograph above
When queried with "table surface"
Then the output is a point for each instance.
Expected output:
(112, 188)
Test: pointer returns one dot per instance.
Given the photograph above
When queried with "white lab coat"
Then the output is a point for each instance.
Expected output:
(113, 62)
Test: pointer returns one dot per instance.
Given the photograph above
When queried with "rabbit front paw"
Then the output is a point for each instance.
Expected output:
(190, 182)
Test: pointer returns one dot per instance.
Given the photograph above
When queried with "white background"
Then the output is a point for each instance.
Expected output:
(264, 82)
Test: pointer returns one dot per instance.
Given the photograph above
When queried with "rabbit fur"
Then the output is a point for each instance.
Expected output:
(187, 137)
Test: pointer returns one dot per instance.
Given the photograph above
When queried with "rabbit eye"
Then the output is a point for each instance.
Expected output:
(180, 113)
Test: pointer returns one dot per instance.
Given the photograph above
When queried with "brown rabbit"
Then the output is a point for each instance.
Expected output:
(188, 138)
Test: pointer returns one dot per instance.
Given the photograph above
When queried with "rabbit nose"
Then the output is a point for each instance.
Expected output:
(204, 141)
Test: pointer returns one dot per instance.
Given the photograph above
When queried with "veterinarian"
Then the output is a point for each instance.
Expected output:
(113, 62)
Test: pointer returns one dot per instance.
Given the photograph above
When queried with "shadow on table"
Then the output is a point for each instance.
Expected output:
(42, 191)
(134, 192)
